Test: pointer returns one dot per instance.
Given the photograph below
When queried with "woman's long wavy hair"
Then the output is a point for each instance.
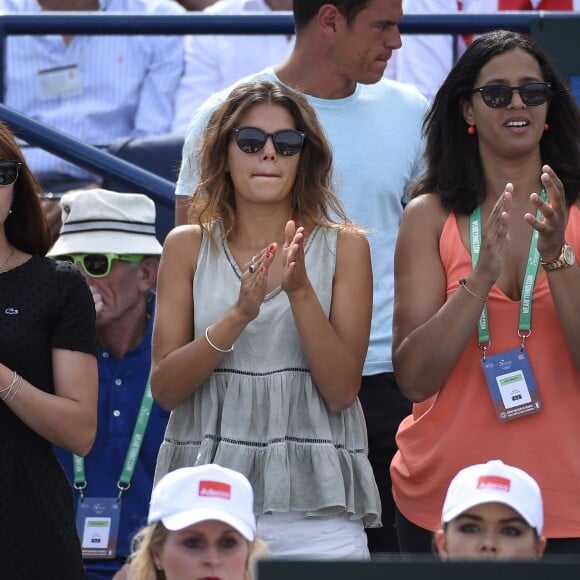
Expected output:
(150, 539)
(26, 226)
(454, 170)
(313, 201)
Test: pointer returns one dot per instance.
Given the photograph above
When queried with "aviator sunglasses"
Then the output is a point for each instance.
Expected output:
(286, 142)
(98, 265)
(499, 96)
(9, 172)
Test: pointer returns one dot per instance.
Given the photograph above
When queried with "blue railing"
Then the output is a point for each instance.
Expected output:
(100, 162)
(88, 157)
(249, 23)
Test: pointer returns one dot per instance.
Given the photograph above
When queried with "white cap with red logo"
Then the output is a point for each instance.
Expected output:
(191, 495)
(495, 482)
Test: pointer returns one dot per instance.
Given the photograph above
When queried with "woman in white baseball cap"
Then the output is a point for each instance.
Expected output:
(201, 524)
(492, 511)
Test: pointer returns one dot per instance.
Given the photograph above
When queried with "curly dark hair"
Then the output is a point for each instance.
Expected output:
(453, 165)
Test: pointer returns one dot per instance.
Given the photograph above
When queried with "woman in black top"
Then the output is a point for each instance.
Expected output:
(48, 382)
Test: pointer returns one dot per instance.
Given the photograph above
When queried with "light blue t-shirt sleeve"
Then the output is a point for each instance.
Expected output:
(419, 164)
(188, 173)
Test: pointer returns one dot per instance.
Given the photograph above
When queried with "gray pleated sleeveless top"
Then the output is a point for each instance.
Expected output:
(259, 411)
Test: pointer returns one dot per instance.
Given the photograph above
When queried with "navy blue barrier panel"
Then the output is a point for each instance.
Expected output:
(419, 568)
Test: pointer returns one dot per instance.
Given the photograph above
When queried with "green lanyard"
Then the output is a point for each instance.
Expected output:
(524, 329)
(124, 483)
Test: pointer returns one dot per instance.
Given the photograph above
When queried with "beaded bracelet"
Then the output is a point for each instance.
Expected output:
(213, 345)
(463, 284)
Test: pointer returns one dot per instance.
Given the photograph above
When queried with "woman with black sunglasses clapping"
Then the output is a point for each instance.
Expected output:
(261, 365)
(487, 293)
(48, 382)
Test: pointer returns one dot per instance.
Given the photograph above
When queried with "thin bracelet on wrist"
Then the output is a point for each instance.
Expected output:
(213, 345)
(10, 397)
(8, 393)
(463, 284)
(11, 384)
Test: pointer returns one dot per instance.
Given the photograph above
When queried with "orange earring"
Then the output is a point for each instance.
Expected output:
(471, 130)
(546, 127)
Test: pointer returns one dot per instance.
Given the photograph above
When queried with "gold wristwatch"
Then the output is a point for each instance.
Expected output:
(564, 260)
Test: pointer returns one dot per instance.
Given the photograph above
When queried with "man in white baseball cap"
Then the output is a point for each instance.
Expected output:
(492, 510)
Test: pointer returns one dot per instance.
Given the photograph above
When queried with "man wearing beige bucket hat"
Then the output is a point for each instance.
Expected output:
(111, 238)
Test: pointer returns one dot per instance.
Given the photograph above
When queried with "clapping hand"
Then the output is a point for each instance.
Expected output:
(255, 281)
(294, 275)
(552, 225)
(495, 238)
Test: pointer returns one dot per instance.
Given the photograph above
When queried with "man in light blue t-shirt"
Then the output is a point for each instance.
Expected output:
(374, 127)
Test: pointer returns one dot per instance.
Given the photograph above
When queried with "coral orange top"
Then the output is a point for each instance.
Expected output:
(458, 426)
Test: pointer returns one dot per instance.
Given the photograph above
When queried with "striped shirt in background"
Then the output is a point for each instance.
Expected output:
(117, 85)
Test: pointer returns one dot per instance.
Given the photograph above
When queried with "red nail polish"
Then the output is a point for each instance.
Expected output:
(268, 255)
(271, 247)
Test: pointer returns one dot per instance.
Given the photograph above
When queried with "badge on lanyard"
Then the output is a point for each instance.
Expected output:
(511, 382)
(98, 526)
(508, 374)
(58, 82)
(98, 518)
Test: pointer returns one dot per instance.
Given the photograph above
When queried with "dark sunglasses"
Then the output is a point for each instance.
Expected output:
(286, 142)
(499, 96)
(9, 172)
(98, 265)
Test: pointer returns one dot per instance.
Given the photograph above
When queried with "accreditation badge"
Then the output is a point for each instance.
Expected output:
(511, 383)
(98, 526)
(62, 81)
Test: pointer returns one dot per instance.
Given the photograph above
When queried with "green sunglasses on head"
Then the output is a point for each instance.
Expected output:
(98, 265)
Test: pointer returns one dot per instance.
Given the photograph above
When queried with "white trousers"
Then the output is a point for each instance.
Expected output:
(292, 535)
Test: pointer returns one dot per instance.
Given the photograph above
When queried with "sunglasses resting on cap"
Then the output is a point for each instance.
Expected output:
(287, 142)
(499, 96)
(98, 265)
(9, 172)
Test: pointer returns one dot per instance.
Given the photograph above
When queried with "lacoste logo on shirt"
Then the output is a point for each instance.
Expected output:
(11, 311)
